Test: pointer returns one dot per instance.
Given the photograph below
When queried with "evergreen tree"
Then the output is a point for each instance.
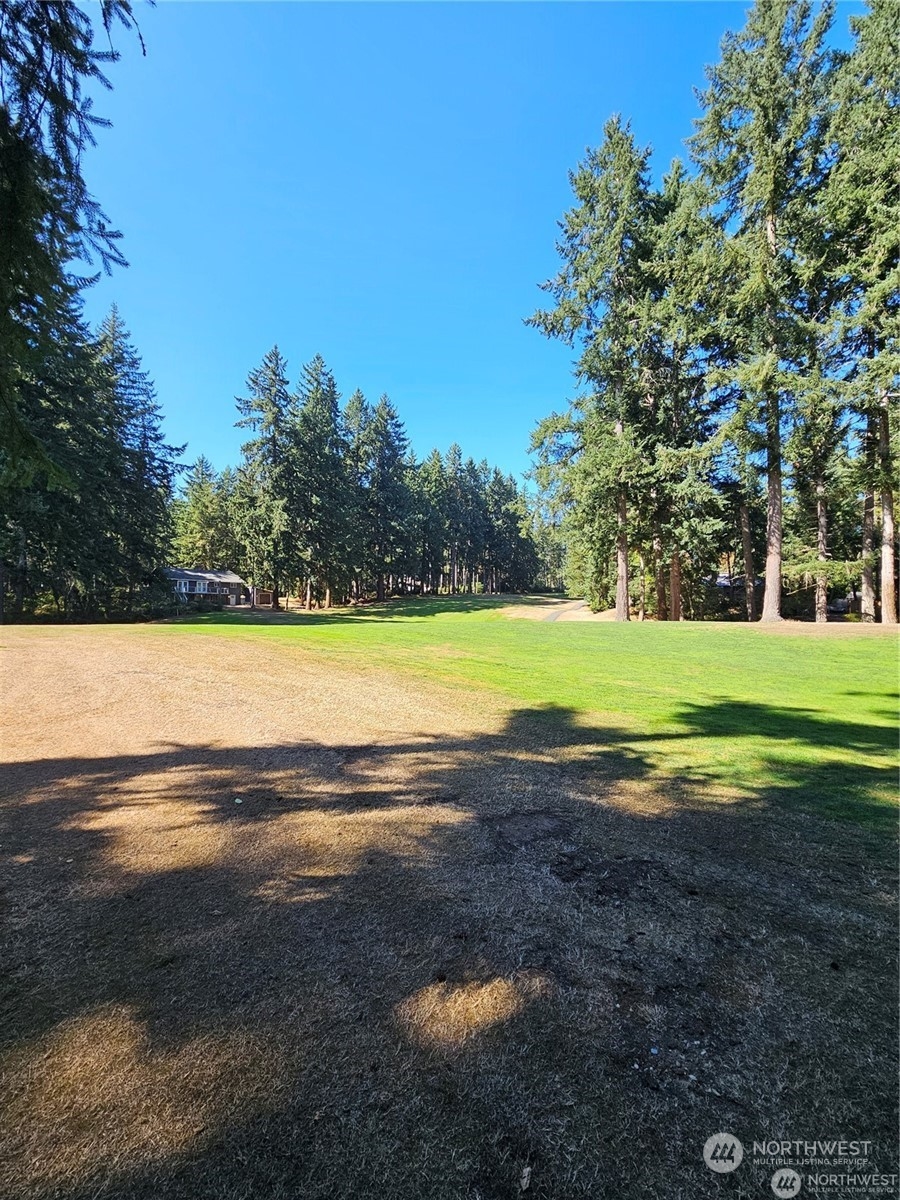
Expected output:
(601, 301)
(430, 489)
(91, 533)
(861, 206)
(261, 493)
(202, 520)
(680, 515)
(455, 511)
(357, 417)
(48, 67)
(761, 148)
(148, 463)
(387, 492)
(510, 558)
(320, 506)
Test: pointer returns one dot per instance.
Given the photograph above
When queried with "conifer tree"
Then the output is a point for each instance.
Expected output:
(430, 483)
(91, 531)
(680, 513)
(761, 149)
(861, 206)
(357, 417)
(202, 520)
(320, 502)
(148, 463)
(261, 494)
(600, 294)
(387, 493)
(49, 66)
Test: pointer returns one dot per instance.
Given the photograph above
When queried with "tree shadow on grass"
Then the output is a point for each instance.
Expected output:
(419, 968)
(832, 782)
(801, 726)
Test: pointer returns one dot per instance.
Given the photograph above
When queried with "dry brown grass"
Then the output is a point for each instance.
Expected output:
(435, 943)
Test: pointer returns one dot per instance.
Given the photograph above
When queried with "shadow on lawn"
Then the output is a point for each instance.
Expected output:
(837, 788)
(417, 968)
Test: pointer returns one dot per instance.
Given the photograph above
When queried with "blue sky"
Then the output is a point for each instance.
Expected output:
(378, 183)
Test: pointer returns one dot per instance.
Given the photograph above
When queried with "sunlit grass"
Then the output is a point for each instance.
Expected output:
(805, 719)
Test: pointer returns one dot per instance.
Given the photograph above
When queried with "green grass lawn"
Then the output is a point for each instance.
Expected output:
(780, 718)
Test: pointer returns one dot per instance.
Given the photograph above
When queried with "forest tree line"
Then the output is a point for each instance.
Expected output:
(85, 473)
(738, 330)
(86, 530)
(325, 499)
(329, 503)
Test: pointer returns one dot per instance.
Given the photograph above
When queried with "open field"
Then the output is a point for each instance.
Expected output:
(423, 902)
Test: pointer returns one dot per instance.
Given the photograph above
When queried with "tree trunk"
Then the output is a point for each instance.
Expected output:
(867, 589)
(643, 597)
(675, 611)
(771, 610)
(888, 586)
(749, 564)
(308, 598)
(659, 579)
(20, 575)
(622, 613)
(821, 551)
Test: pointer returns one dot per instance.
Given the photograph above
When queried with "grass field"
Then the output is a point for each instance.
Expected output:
(424, 902)
(801, 719)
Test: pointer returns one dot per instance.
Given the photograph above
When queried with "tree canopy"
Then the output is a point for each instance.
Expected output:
(737, 335)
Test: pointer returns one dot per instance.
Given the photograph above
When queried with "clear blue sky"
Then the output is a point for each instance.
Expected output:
(378, 183)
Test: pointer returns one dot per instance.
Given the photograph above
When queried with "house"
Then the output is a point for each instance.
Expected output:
(224, 587)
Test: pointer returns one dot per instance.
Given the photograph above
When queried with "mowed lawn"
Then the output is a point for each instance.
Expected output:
(805, 718)
(428, 902)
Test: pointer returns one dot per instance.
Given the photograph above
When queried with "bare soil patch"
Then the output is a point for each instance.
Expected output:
(277, 929)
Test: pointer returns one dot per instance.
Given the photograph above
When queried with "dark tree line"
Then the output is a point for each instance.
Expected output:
(89, 535)
(85, 474)
(51, 227)
(329, 504)
(738, 331)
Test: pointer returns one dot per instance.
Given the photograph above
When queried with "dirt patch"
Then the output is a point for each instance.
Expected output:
(274, 928)
(522, 828)
(610, 877)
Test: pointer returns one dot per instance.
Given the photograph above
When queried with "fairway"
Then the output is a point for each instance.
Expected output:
(429, 901)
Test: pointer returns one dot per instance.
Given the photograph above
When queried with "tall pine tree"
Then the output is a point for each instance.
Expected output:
(761, 148)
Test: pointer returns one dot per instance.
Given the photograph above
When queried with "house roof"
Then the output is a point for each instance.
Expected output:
(209, 576)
